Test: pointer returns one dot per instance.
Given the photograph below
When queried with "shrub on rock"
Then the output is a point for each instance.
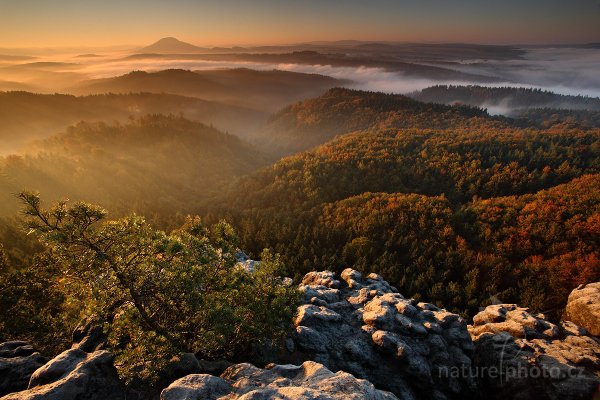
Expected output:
(162, 294)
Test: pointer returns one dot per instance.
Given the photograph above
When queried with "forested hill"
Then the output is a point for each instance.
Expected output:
(459, 163)
(505, 99)
(312, 122)
(155, 164)
(26, 116)
(533, 248)
(546, 117)
(421, 207)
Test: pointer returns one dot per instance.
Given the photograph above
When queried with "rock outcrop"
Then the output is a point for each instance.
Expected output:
(245, 381)
(513, 320)
(89, 336)
(354, 337)
(524, 356)
(364, 327)
(245, 262)
(74, 375)
(583, 307)
(18, 361)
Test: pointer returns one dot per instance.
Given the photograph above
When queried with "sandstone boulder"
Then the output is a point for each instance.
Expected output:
(583, 307)
(362, 326)
(74, 375)
(18, 361)
(310, 381)
(523, 356)
(516, 321)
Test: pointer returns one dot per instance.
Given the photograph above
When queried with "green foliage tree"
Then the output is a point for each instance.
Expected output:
(32, 308)
(162, 293)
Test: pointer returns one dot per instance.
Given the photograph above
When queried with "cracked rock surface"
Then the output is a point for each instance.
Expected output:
(309, 381)
(18, 361)
(363, 326)
(523, 356)
(74, 374)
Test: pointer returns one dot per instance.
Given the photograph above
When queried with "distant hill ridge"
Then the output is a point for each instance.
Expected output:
(262, 90)
(55, 112)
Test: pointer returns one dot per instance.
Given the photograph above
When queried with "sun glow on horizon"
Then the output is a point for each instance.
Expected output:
(70, 23)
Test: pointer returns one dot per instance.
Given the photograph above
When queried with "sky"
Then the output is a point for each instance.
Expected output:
(83, 23)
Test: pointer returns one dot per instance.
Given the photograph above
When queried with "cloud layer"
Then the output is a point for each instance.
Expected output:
(572, 71)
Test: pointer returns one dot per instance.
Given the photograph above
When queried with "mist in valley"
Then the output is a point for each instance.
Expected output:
(241, 91)
(562, 70)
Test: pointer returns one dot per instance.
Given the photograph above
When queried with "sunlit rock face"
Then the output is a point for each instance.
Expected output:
(245, 381)
(583, 307)
(244, 262)
(523, 356)
(363, 326)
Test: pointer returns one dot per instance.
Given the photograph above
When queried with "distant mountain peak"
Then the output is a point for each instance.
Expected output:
(170, 40)
(171, 45)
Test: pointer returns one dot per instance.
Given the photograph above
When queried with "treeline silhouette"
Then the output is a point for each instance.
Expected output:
(507, 97)
(265, 91)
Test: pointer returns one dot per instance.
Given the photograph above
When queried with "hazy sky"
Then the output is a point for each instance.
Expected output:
(43, 23)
